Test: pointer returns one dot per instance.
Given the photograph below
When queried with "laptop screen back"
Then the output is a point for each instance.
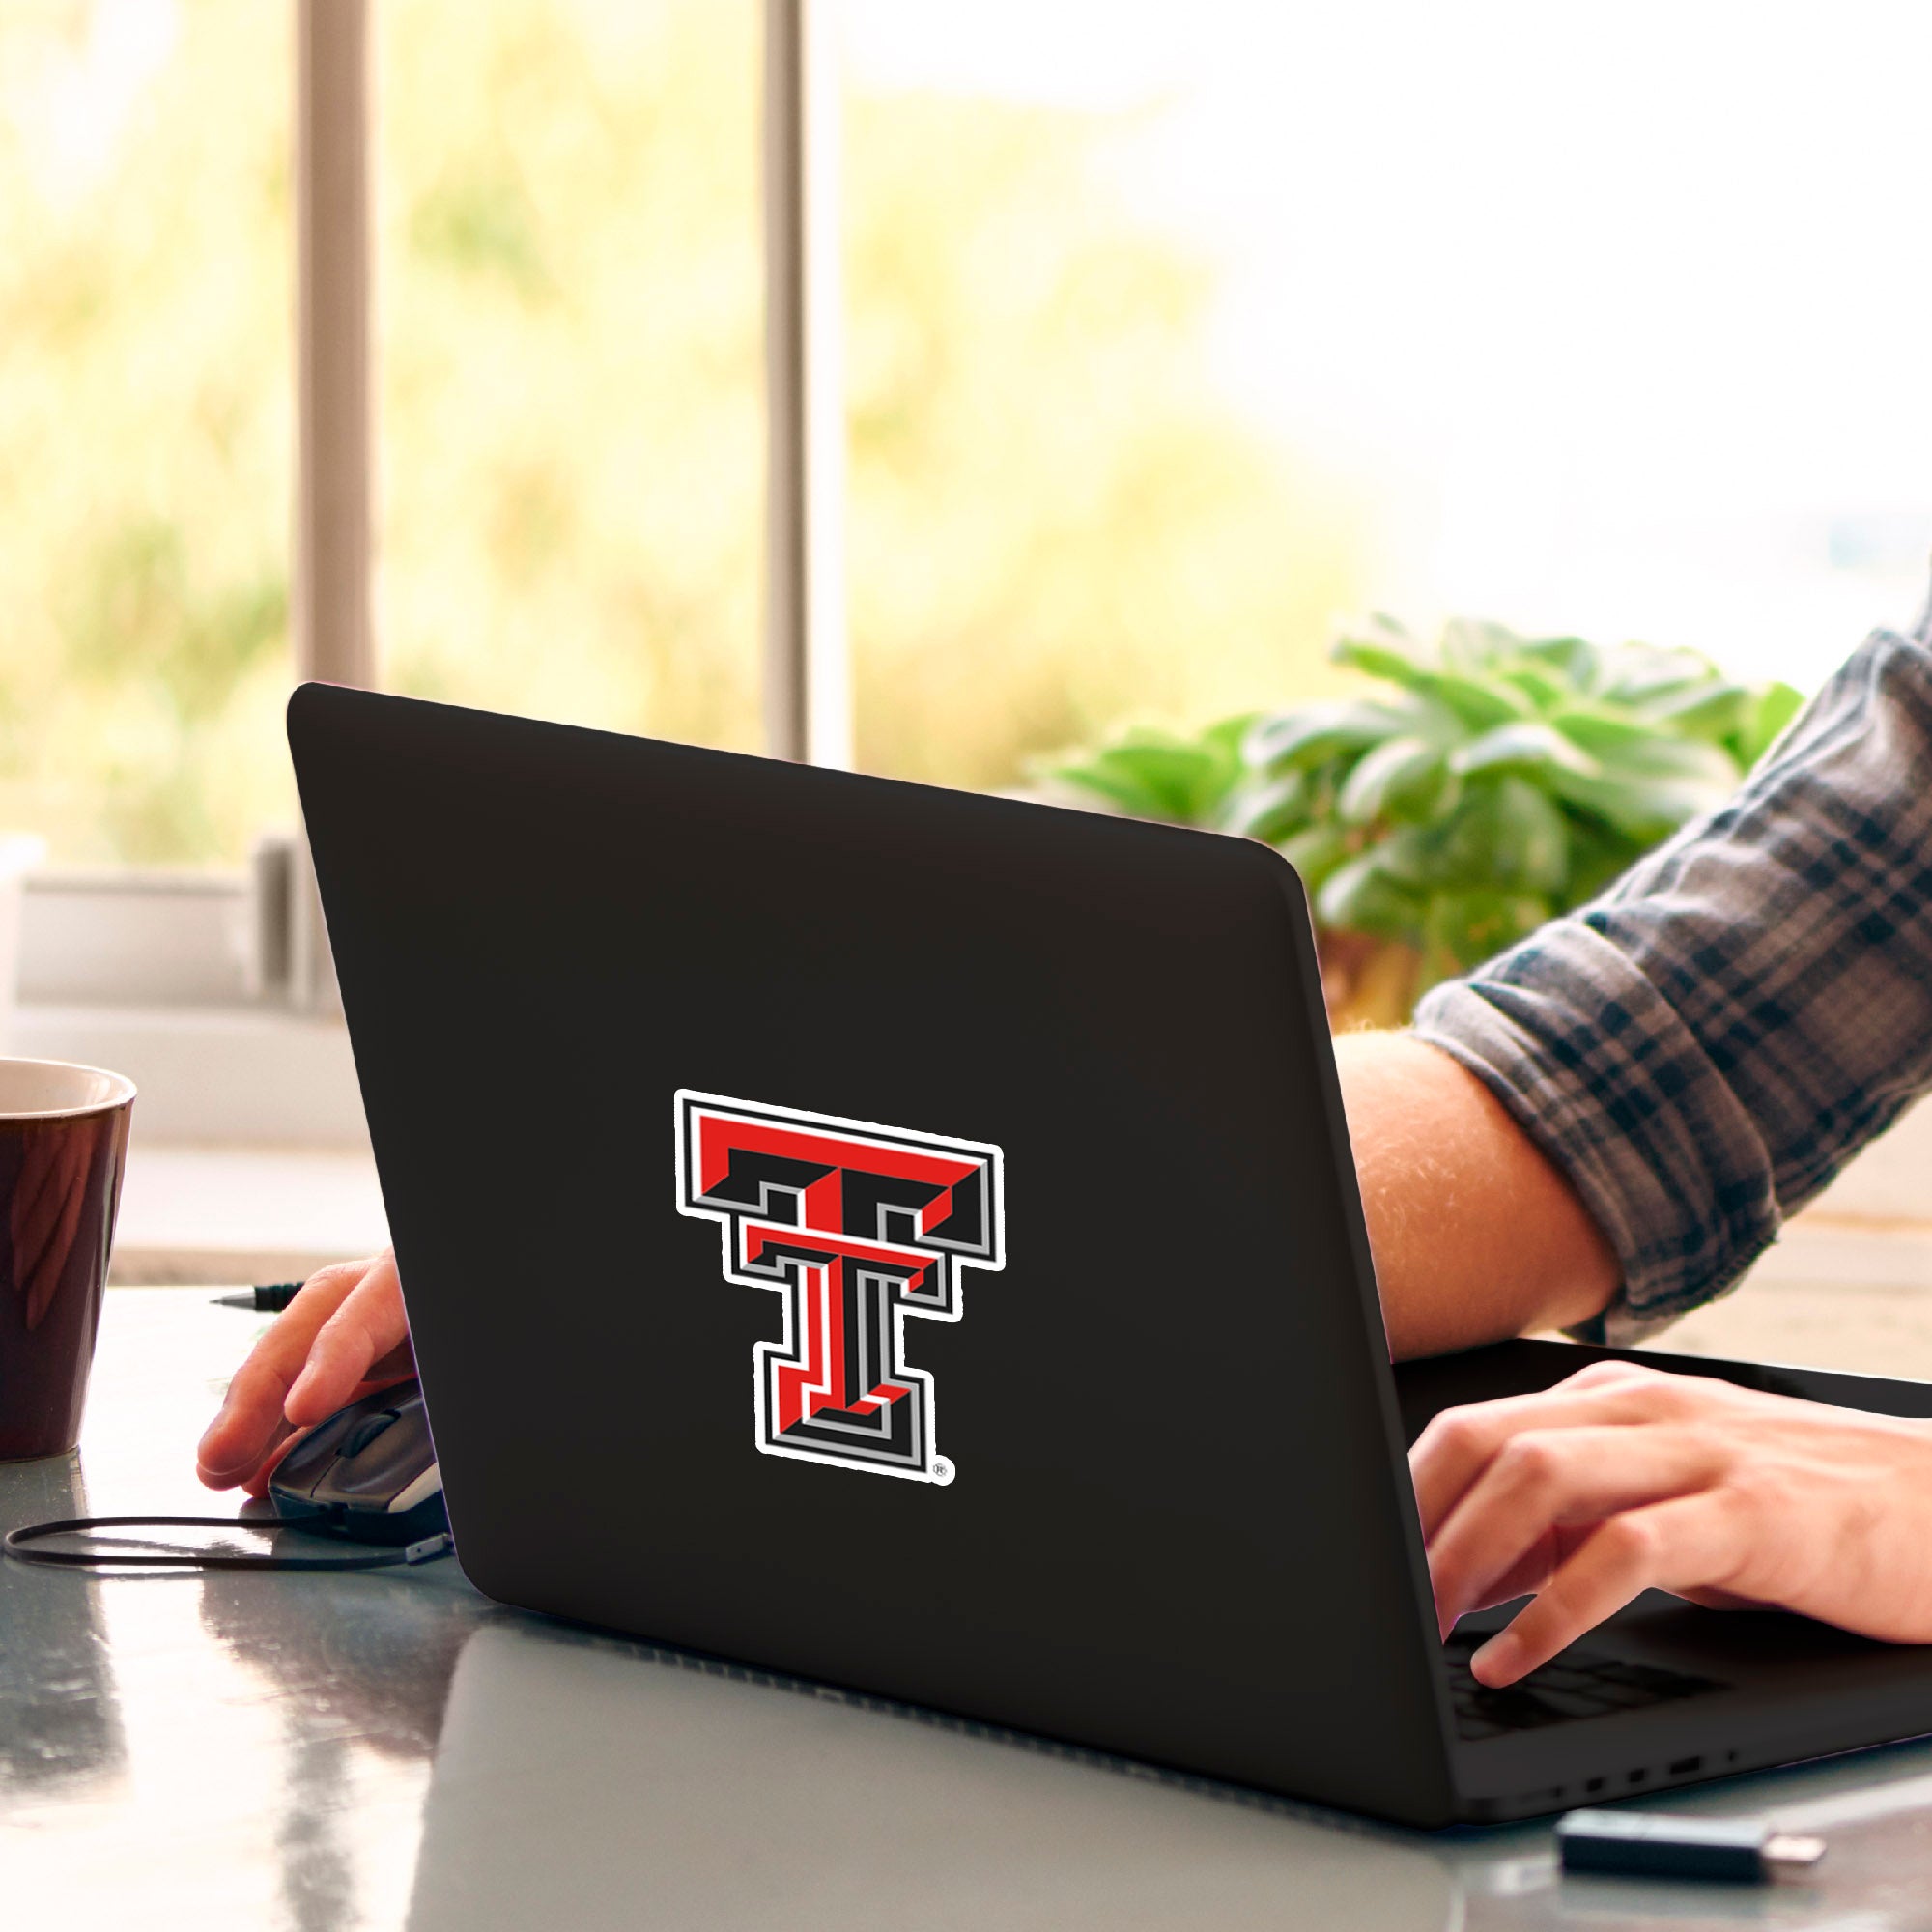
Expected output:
(894, 1236)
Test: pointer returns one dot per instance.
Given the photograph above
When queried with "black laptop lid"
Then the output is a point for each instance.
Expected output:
(891, 1234)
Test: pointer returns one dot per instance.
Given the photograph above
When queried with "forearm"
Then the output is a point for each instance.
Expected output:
(1476, 1235)
(1703, 1047)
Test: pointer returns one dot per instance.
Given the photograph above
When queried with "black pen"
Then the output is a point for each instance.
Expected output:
(270, 1299)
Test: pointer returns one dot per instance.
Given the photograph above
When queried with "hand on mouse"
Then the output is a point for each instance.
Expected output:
(343, 1336)
(1623, 1478)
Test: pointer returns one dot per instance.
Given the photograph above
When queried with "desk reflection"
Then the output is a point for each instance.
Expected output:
(60, 1719)
(351, 1671)
(596, 1785)
(605, 1785)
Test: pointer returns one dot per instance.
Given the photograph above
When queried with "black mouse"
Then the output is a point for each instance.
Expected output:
(368, 1472)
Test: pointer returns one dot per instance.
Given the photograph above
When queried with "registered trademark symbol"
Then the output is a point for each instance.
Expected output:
(941, 1470)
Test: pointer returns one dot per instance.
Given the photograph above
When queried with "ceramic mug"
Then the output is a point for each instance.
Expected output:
(63, 1149)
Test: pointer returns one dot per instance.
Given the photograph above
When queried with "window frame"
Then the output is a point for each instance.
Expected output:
(157, 941)
(214, 989)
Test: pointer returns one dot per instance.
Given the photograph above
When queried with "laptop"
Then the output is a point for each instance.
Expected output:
(907, 1239)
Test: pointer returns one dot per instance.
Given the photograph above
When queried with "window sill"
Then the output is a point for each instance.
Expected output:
(250, 1160)
(244, 1214)
(228, 1075)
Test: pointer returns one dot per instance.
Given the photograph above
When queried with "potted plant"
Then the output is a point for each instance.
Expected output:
(1494, 781)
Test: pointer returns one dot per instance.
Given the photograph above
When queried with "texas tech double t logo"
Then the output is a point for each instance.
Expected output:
(857, 1226)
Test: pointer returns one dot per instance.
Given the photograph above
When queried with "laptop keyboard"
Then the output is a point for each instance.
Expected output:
(1577, 1684)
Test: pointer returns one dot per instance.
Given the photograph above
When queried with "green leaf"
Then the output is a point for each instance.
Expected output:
(1379, 660)
(1772, 710)
(1532, 838)
(1646, 809)
(1393, 631)
(1359, 896)
(1603, 732)
(1505, 832)
(1465, 926)
(1383, 648)
(1715, 710)
(1635, 755)
(1100, 781)
(1314, 852)
(1402, 777)
(1479, 705)
(1166, 781)
(1314, 732)
(1599, 854)
(1152, 774)
(1411, 855)
(1474, 643)
(1543, 689)
(1658, 754)
(1575, 660)
(1270, 809)
(1223, 740)
(1473, 702)
(1643, 674)
(1529, 745)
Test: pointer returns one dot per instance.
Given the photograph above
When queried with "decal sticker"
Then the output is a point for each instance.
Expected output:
(857, 1226)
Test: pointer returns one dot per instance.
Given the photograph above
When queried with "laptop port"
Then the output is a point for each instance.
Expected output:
(1594, 1785)
(1685, 1765)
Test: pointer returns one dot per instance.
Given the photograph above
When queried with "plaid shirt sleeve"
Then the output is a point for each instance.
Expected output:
(1704, 1046)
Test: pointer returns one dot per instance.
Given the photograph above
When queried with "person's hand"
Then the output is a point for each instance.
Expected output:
(343, 1336)
(1623, 1478)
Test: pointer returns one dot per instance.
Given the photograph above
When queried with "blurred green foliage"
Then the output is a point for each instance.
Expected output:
(1501, 780)
(145, 414)
(1056, 517)
(573, 360)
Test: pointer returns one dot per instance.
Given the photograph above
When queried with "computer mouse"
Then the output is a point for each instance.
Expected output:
(368, 1472)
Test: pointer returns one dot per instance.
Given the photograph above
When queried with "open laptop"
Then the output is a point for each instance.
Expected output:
(909, 1239)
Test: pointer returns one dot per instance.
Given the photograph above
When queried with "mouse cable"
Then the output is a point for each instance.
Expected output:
(425, 1551)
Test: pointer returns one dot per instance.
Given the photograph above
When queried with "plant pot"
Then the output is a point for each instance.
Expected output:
(1367, 983)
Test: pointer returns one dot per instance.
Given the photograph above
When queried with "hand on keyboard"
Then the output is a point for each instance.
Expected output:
(1624, 1479)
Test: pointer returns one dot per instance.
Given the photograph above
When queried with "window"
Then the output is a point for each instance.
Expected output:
(1144, 341)
(1170, 333)
(571, 358)
(144, 409)
(1062, 515)
(1178, 332)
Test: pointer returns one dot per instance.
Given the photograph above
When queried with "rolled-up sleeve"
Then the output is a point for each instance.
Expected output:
(1704, 1046)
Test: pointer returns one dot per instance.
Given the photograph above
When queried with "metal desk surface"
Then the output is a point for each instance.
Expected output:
(392, 1750)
